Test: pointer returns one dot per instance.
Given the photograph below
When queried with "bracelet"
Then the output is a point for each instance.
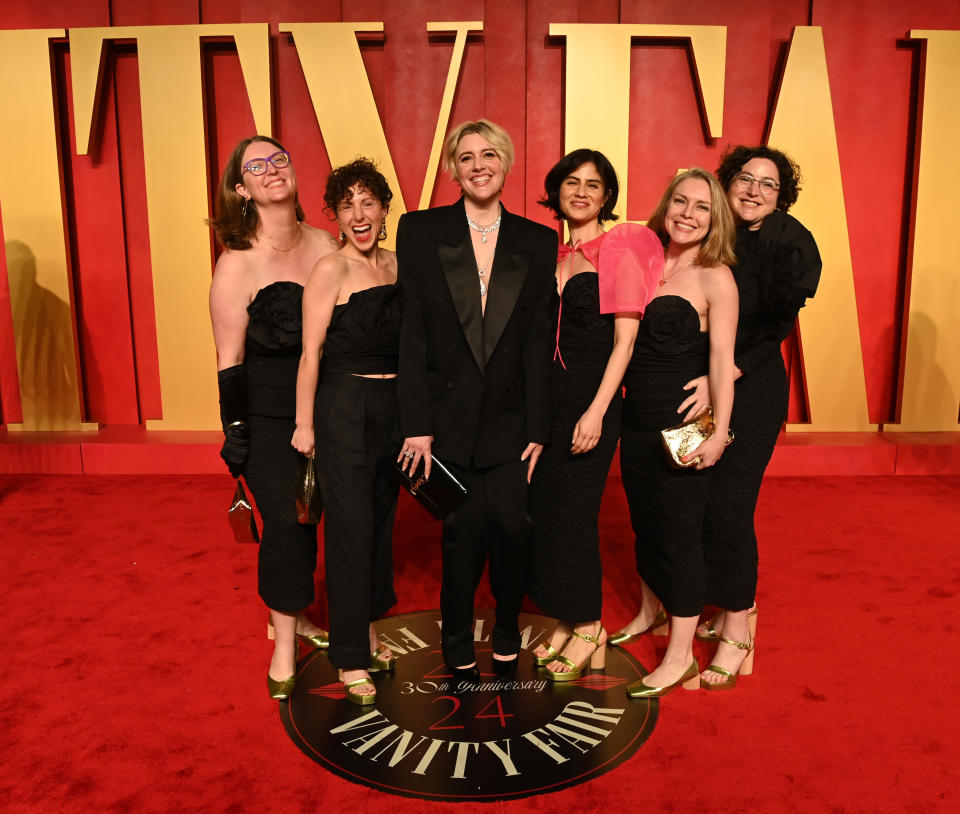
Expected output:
(236, 424)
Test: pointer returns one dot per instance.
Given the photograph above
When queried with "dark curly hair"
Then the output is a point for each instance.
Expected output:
(732, 161)
(361, 171)
(566, 165)
(234, 224)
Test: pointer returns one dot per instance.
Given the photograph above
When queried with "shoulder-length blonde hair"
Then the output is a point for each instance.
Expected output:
(717, 247)
(234, 224)
(495, 135)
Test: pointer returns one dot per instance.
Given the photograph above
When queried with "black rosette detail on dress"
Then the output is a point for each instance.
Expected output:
(672, 327)
(784, 259)
(275, 314)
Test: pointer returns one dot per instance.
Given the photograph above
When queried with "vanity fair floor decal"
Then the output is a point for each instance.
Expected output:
(432, 737)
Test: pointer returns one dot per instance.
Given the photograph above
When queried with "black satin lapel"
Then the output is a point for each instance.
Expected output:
(460, 269)
(506, 279)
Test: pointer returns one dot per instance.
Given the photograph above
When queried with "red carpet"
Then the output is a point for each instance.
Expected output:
(134, 657)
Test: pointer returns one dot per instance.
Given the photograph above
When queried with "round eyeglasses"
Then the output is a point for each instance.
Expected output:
(258, 166)
(767, 185)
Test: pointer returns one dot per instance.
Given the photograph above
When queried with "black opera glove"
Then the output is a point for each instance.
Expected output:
(232, 383)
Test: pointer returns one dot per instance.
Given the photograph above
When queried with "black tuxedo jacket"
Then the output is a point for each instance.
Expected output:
(478, 382)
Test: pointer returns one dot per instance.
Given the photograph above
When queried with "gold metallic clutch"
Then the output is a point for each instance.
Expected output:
(685, 438)
(309, 508)
(240, 514)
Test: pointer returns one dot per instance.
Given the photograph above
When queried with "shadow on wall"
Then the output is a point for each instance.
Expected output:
(46, 363)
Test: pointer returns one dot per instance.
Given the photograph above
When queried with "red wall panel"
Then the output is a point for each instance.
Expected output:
(514, 74)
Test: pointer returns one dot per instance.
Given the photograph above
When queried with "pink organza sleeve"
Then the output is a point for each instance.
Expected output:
(629, 266)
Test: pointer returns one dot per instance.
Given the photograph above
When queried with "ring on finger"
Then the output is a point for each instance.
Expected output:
(407, 453)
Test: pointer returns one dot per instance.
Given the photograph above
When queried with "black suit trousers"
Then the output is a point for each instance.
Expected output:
(491, 521)
(355, 448)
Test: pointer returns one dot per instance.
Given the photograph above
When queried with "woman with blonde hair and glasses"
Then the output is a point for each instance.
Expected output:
(688, 329)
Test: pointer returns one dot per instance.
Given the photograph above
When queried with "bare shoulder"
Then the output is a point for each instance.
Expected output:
(389, 260)
(320, 240)
(232, 274)
(718, 281)
(328, 272)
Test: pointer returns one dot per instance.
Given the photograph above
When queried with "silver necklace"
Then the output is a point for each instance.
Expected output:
(484, 230)
(481, 273)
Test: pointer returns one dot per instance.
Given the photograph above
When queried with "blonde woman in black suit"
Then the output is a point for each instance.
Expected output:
(474, 379)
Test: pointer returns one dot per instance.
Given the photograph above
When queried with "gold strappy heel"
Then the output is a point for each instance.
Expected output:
(746, 667)
(710, 626)
(597, 658)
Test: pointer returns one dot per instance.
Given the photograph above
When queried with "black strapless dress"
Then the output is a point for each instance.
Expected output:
(564, 497)
(667, 505)
(288, 550)
(357, 430)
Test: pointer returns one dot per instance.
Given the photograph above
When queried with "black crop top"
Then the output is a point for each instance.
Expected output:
(364, 333)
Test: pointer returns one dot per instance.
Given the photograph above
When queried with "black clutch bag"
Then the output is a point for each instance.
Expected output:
(240, 514)
(440, 495)
(309, 507)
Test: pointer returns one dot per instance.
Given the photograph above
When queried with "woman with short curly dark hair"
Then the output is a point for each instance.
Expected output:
(351, 330)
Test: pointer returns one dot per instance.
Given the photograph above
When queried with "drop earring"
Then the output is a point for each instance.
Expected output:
(340, 235)
(383, 230)
(243, 208)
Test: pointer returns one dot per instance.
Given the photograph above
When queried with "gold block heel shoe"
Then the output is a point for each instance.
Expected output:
(730, 680)
(359, 698)
(379, 663)
(710, 626)
(658, 627)
(597, 658)
(690, 680)
(320, 641)
(281, 690)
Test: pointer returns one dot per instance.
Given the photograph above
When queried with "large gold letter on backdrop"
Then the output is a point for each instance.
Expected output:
(346, 110)
(43, 325)
(597, 92)
(175, 159)
(931, 373)
(829, 329)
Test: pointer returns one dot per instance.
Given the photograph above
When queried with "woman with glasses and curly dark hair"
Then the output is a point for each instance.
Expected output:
(777, 270)
(255, 302)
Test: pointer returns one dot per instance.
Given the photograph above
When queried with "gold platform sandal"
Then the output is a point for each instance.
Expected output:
(659, 627)
(552, 654)
(745, 669)
(350, 687)
(710, 626)
(380, 662)
(597, 658)
(690, 680)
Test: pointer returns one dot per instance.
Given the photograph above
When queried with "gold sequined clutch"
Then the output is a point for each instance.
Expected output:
(685, 438)
(309, 508)
(240, 514)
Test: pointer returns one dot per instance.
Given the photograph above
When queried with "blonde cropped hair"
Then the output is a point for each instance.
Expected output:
(498, 138)
(717, 247)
